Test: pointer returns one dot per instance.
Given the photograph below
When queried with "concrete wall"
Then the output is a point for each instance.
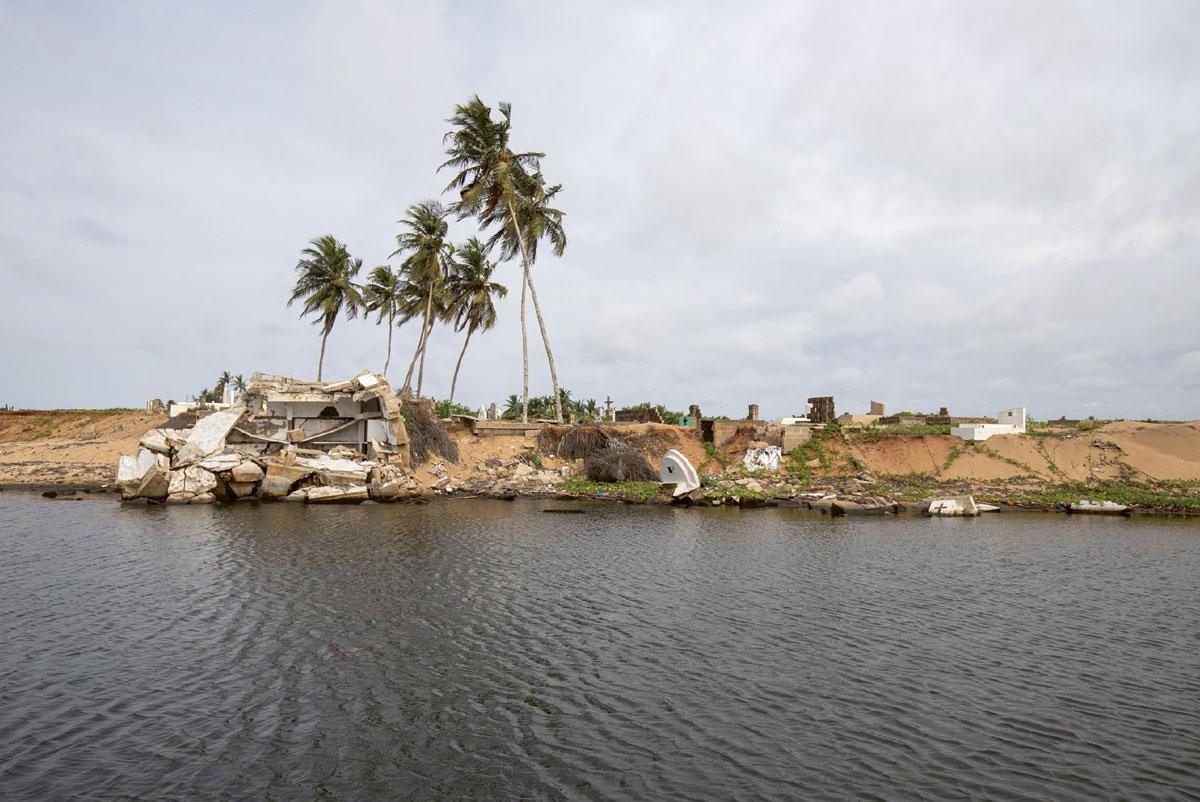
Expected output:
(1014, 417)
(982, 431)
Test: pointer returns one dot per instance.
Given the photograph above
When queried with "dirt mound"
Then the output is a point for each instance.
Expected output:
(903, 455)
(68, 445)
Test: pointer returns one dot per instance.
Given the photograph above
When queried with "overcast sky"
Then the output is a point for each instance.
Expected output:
(976, 205)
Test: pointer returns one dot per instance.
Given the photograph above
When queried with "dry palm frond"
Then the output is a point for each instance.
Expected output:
(549, 438)
(581, 442)
(426, 434)
(618, 465)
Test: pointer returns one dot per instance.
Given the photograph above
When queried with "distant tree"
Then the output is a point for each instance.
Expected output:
(501, 187)
(382, 294)
(513, 406)
(471, 290)
(239, 384)
(428, 258)
(219, 387)
(325, 286)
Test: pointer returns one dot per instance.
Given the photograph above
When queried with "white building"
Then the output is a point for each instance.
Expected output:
(1009, 421)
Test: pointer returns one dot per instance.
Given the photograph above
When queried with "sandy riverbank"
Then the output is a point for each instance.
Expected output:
(62, 449)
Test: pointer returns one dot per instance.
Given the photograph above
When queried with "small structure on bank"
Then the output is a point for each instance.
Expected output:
(821, 409)
(1008, 421)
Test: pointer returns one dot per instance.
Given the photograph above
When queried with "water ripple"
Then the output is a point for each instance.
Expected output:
(485, 650)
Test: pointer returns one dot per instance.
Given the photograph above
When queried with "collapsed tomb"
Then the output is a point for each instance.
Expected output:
(285, 438)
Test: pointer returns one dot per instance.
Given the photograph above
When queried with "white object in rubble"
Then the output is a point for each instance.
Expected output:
(759, 458)
(208, 435)
(956, 506)
(676, 469)
(1099, 507)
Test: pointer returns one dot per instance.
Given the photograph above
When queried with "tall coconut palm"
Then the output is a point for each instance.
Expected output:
(471, 290)
(492, 182)
(382, 295)
(224, 379)
(534, 220)
(239, 384)
(428, 259)
(326, 286)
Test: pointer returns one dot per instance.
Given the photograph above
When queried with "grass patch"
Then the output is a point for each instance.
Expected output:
(629, 491)
(531, 457)
(1179, 496)
(873, 434)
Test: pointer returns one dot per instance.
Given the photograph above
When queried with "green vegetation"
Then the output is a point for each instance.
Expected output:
(425, 270)
(629, 491)
(448, 409)
(954, 454)
(873, 434)
(814, 449)
(733, 491)
(583, 410)
(325, 286)
(1062, 428)
(1181, 496)
(673, 418)
(531, 457)
(506, 189)
(471, 291)
(383, 294)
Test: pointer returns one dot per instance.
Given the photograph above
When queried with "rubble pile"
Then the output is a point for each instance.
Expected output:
(287, 440)
(502, 478)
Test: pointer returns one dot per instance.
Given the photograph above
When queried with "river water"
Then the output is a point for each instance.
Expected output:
(480, 649)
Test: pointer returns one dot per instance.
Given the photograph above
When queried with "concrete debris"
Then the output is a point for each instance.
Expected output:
(347, 494)
(246, 472)
(767, 458)
(220, 463)
(208, 435)
(677, 470)
(284, 439)
(192, 479)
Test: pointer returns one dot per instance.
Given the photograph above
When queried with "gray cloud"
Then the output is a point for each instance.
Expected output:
(970, 204)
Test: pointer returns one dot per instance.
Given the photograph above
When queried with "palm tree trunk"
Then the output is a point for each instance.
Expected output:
(537, 310)
(321, 360)
(412, 366)
(388, 361)
(425, 338)
(524, 356)
(458, 364)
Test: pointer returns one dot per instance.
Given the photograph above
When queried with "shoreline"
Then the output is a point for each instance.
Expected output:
(1154, 468)
(904, 507)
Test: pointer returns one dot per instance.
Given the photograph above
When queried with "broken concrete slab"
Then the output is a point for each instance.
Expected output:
(246, 471)
(157, 481)
(242, 489)
(208, 435)
(132, 471)
(192, 479)
(220, 463)
(347, 494)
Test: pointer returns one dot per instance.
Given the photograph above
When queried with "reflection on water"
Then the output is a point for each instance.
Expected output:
(488, 650)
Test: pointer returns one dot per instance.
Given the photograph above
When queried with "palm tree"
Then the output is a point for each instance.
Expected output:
(382, 294)
(428, 262)
(326, 286)
(471, 289)
(513, 406)
(239, 384)
(219, 388)
(494, 184)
